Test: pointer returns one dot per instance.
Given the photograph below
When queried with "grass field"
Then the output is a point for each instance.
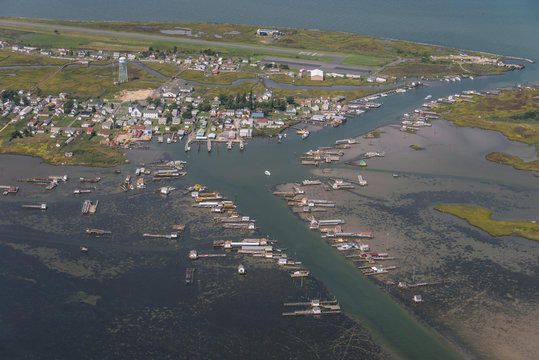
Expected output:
(8, 58)
(98, 81)
(481, 218)
(23, 79)
(223, 78)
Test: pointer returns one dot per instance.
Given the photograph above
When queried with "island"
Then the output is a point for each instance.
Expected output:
(80, 93)
(481, 218)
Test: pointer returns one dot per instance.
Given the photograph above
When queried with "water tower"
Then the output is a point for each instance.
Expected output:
(122, 75)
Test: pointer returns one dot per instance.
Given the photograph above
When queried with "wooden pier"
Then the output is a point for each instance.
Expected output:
(97, 232)
(36, 207)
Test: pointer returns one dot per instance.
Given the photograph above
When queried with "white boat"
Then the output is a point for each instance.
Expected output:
(418, 299)
(428, 97)
(165, 190)
(169, 140)
(229, 145)
(187, 147)
(208, 144)
(361, 181)
(241, 270)
(305, 134)
(241, 146)
(267, 173)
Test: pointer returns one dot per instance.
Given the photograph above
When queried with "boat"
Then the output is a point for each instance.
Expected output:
(267, 173)
(241, 146)
(300, 274)
(361, 181)
(418, 299)
(229, 145)
(140, 183)
(428, 97)
(169, 140)
(165, 190)
(187, 147)
(208, 145)
(84, 249)
(395, 175)
(241, 270)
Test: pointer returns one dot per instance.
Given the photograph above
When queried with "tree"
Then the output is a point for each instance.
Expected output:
(186, 114)
(204, 106)
(68, 105)
(290, 99)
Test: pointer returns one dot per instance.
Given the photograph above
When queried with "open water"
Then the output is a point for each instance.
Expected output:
(127, 297)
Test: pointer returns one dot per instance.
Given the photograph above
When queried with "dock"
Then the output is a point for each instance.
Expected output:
(97, 232)
(311, 312)
(36, 207)
(89, 208)
(8, 189)
(317, 308)
(194, 255)
(189, 275)
(159, 236)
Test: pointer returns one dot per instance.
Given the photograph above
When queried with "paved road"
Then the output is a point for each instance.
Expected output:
(337, 58)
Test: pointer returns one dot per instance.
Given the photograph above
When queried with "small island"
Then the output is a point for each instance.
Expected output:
(481, 218)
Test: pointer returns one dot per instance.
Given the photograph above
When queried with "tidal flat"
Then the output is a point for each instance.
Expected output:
(486, 297)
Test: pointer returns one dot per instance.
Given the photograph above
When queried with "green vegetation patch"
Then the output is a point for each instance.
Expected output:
(86, 151)
(417, 147)
(367, 60)
(481, 218)
(512, 160)
(24, 79)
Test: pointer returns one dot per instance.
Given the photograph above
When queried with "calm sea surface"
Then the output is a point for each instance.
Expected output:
(127, 298)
